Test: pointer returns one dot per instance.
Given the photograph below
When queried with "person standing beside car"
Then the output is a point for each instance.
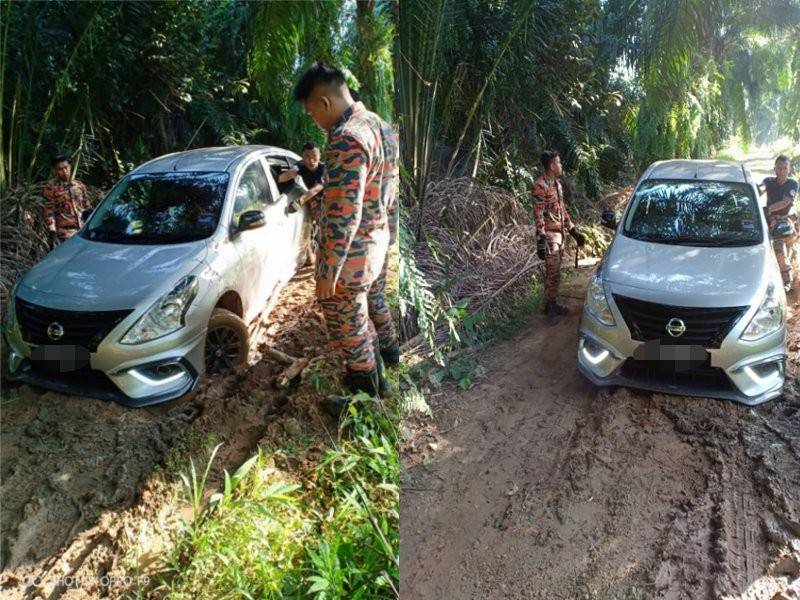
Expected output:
(782, 193)
(552, 223)
(354, 222)
(65, 199)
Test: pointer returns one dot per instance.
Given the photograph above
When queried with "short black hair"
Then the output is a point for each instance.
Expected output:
(548, 156)
(310, 146)
(783, 159)
(59, 158)
(318, 73)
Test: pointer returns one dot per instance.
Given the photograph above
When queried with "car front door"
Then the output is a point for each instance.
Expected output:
(298, 223)
(254, 191)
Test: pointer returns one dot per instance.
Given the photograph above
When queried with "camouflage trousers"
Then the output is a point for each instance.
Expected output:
(552, 270)
(350, 329)
(379, 312)
(786, 252)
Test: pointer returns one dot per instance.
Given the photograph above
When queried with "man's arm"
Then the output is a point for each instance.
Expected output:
(288, 175)
(315, 189)
(49, 208)
(346, 164)
(539, 194)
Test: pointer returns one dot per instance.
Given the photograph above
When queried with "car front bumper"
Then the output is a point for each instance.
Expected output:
(135, 376)
(746, 372)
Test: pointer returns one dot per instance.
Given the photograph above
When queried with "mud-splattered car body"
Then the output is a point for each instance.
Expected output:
(688, 299)
(121, 311)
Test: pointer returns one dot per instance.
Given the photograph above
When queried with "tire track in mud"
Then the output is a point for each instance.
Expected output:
(76, 478)
(599, 494)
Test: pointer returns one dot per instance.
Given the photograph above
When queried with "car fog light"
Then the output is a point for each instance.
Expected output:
(160, 374)
(765, 372)
(593, 352)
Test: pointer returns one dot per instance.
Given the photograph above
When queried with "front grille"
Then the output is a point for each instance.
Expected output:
(705, 327)
(664, 373)
(81, 328)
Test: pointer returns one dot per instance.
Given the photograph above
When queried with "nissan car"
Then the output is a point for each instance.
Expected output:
(688, 299)
(162, 283)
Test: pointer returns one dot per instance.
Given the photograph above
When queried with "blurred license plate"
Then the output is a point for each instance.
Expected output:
(62, 359)
(679, 357)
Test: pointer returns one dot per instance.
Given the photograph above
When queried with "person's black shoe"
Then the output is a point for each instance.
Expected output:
(363, 381)
(391, 354)
(551, 313)
(560, 310)
(334, 405)
(384, 386)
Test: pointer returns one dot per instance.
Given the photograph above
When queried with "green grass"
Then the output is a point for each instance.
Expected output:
(331, 533)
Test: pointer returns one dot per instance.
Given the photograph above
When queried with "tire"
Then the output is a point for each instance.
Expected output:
(227, 343)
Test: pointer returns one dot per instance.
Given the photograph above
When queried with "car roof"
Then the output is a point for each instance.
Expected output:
(703, 170)
(216, 159)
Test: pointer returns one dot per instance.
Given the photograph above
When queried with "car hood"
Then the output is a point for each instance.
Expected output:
(83, 274)
(687, 275)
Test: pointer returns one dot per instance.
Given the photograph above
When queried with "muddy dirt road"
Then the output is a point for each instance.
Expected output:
(534, 484)
(79, 479)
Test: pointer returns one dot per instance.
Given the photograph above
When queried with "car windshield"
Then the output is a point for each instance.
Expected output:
(694, 213)
(159, 208)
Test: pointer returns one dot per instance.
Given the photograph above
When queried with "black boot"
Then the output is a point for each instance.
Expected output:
(383, 383)
(363, 381)
(561, 310)
(551, 312)
(356, 382)
(391, 354)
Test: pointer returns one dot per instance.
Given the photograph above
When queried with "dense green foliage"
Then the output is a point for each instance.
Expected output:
(331, 532)
(605, 82)
(117, 83)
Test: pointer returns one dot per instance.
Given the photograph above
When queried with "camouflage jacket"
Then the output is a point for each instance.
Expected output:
(63, 204)
(550, 214)
(361, 160)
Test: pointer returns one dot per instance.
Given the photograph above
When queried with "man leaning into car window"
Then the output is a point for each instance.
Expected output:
(354, 226)
(781, 193)
(65, 199)
(312, 170)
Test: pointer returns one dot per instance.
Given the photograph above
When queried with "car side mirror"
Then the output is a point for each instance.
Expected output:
(86, 214)
(251, 219)
(781, 229)
(609, 219)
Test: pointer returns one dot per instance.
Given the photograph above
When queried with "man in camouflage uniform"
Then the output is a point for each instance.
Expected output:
(781, 197)
(357, 204)
(65, 199)
(552, 222)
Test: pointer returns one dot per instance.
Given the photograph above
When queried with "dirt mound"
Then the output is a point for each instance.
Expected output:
(534, 484)
(79, 481)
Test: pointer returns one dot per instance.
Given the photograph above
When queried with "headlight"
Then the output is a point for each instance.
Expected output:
(767, 319)
(596, 302)
(165, 316)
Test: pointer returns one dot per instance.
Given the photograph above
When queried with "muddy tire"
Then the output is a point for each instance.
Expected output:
(227, 343)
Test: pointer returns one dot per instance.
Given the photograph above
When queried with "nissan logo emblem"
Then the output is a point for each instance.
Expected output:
(55, 331)
(676, 327)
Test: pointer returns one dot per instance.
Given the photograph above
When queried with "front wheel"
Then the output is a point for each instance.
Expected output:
(227, 343)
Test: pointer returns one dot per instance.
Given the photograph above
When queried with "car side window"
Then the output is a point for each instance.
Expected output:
(252, 192)
(281, 164)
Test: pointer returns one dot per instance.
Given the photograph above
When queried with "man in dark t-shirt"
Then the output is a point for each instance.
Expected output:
(312, 172)
(782, 193)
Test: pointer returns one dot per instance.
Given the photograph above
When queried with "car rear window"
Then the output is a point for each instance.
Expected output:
(694, 213)
(159, 208)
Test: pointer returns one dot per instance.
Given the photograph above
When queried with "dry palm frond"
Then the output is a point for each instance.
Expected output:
(480, 243)
(24, 239)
